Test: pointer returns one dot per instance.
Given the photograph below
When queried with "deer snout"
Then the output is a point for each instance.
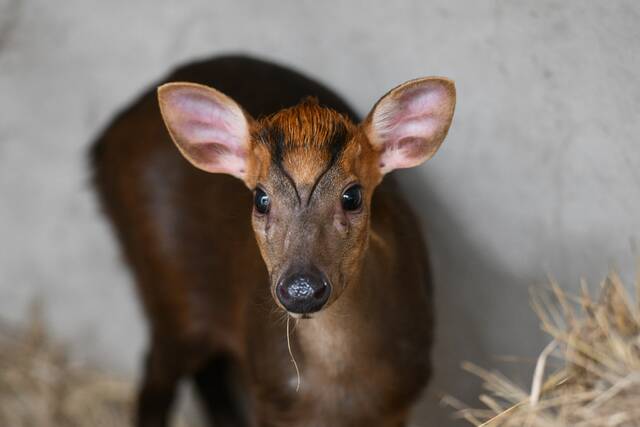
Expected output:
(303, 292)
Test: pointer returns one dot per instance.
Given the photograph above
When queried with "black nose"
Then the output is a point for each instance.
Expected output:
(303, 292)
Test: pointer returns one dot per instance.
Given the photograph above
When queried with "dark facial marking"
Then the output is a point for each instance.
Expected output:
(337, 142)
(318, 132)
(274, 138)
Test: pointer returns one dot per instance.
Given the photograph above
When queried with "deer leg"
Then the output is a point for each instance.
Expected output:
(220, 387)
(164, 367)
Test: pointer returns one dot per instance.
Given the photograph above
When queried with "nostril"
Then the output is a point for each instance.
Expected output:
(321, 293)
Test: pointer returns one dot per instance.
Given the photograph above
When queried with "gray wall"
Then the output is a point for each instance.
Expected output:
(540, 174)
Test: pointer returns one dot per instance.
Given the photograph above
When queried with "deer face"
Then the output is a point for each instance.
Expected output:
(312, 172)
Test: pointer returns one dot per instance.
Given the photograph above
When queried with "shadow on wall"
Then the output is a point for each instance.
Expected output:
(9, 18)
(468, 317)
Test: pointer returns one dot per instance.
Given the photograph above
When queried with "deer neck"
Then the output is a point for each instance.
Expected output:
(337, 337)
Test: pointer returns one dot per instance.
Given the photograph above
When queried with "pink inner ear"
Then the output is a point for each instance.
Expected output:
(410, 125)
(209, 128)
(204, 120)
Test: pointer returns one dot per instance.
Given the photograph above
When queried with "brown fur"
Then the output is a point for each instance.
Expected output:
(188, 236)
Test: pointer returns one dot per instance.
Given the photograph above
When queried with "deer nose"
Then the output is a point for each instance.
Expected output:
(303, 292)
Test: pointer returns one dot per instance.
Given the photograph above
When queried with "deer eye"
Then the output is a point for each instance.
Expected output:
(352, 198)
(261, 201)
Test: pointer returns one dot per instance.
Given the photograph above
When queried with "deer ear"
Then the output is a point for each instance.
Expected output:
(209, 128)
(408, 124)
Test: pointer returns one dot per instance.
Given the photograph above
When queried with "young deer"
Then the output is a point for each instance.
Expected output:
(220, 278)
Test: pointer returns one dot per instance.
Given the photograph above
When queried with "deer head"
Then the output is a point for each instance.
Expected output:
(312, 172)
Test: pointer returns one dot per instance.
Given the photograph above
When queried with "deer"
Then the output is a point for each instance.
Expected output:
(277, 263)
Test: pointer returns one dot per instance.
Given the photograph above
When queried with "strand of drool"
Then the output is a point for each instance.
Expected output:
(293, 359)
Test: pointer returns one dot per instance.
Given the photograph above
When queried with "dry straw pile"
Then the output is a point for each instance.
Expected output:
(597, 342)
(41, 387)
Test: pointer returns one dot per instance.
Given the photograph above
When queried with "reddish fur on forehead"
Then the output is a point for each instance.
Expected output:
(305, 138)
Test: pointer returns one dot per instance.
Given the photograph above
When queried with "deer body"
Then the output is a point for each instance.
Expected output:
(217, 281)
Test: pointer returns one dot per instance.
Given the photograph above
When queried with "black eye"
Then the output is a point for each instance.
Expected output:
(262, 201)
(352, 198)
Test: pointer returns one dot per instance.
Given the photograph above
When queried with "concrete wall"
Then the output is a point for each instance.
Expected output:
(540, 174)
